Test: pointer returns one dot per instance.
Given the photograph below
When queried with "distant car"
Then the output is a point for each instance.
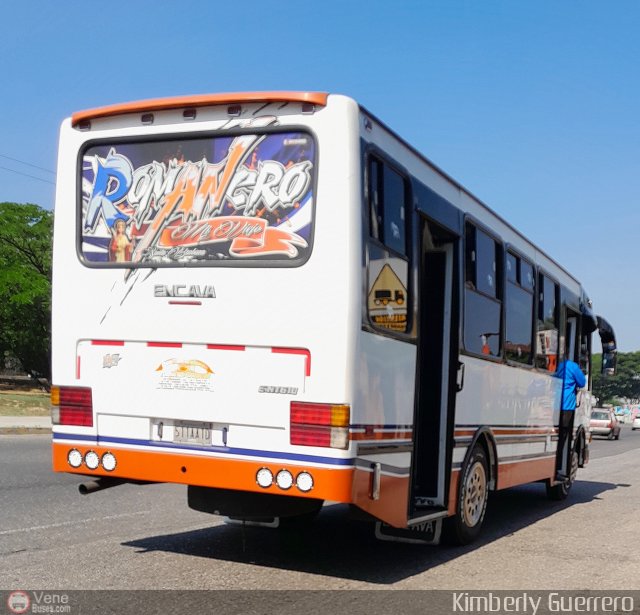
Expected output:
(604, 423)
(636, 422)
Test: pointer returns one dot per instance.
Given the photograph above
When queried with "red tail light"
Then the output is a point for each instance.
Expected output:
(310, 435)
(72, 406)
(320, 424)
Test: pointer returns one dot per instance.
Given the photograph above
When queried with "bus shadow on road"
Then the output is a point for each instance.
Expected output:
(338, 546)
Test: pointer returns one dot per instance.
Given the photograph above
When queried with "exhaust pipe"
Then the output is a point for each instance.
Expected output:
(99, 484)
(106, 482)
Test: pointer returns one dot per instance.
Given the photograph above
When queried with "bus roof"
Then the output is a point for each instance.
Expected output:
(155, 104)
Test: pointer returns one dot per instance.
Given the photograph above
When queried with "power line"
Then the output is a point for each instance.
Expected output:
(35, 166)
(40, 179)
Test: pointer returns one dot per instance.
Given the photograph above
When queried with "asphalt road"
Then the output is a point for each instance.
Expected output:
(629, 440)
(145, 537)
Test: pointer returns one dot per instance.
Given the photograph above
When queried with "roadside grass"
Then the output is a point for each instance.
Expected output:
(24, 403)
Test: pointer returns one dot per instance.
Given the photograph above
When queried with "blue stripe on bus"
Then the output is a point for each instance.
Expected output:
(102, 440)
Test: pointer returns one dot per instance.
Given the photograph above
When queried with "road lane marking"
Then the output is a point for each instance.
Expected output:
(65, 523)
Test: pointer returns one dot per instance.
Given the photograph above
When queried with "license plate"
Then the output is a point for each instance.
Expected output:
(427, 532)
(192, 433)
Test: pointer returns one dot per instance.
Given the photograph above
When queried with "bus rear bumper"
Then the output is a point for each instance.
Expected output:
(228, 472)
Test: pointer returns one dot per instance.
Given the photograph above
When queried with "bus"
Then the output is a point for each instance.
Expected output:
(275, 300)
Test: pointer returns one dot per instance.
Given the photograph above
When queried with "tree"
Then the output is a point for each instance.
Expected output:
(624, 385)
(25, 286)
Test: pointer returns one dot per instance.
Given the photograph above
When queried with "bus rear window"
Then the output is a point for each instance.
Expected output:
(208, 200)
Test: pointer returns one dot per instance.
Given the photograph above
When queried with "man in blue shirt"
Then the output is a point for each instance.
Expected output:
(572, 380)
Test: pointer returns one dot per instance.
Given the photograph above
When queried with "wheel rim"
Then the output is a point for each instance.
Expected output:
(475, 492)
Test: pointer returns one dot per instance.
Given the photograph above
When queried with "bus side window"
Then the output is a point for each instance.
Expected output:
(394, 211)
(387, 205)
(519, 295)
(375, 194)
(482, 293)
(547, 328)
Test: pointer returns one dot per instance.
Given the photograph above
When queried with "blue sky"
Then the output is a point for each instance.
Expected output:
(532, 105)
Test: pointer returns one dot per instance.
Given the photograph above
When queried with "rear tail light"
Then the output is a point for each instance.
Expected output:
(320, 424)
(72, 406)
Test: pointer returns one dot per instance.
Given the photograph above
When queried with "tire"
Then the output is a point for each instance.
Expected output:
(473, 492)
(560, 491)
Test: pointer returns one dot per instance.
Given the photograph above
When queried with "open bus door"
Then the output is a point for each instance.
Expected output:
(424, 504)
(437, 372)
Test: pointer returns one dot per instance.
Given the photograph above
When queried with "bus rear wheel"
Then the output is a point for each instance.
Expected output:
(473, 493)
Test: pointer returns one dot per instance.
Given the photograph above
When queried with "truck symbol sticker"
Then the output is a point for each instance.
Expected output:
(387, 302)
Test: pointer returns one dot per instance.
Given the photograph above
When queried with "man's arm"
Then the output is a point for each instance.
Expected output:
(581, 381)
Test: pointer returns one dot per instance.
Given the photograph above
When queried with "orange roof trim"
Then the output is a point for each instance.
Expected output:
(157, 104)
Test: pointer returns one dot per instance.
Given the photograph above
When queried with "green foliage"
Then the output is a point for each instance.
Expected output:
(25, 285)
(624, 385)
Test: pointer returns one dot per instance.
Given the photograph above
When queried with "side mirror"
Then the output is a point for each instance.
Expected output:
(609, 350)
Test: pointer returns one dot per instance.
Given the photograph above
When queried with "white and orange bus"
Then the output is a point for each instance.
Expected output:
(275, 300)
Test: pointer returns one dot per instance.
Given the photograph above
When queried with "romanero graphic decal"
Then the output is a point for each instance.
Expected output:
(241, 198)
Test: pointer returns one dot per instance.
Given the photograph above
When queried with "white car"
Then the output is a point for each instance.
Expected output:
(604, 423)
(636, 422)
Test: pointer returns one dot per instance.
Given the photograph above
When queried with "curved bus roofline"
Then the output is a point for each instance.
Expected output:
(203, 100)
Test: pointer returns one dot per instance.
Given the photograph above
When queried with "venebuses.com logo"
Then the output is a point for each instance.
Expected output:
(20, 602)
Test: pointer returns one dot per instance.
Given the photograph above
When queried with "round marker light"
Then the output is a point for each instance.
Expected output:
(264, 477)
(284, 479)
(109, 462)
(92, 460)
(304, 482)
(74, 457)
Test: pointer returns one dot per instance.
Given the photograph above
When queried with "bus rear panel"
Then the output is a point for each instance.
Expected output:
(201, 311)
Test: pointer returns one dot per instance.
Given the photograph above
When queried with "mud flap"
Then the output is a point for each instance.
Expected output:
(426, 532)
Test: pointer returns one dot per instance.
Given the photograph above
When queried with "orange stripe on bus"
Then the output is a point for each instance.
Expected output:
(382, 435)
(158, 104)
(517, 473)
(167, 467)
